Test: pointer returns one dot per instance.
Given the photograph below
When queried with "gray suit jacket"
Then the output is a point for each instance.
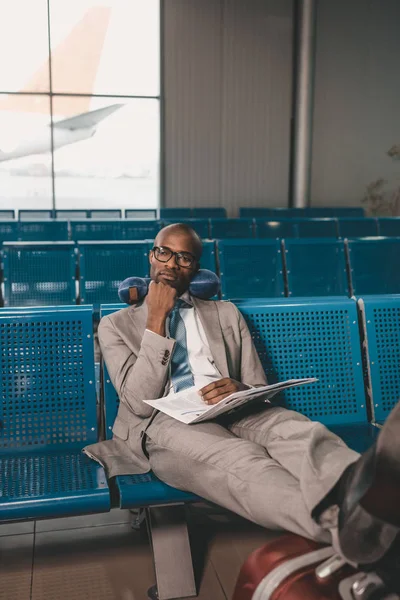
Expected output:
(139, 366)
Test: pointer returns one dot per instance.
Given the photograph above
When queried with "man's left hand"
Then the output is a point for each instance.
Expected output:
(218, 390)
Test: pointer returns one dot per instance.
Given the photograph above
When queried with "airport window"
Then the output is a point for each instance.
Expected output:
(79, 104)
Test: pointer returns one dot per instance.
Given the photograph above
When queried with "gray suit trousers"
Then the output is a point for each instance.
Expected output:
(272, 467)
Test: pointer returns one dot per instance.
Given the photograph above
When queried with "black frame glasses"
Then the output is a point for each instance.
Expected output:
(179, 256)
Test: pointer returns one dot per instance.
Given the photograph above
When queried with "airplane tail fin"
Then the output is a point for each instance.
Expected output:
(89, 33)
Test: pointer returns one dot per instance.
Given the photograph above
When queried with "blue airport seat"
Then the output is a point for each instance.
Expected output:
(6, 215)
(8, 231)
(72, 214)
(348, 211)
(135, 490)
(308, 228)
(389, 226)
(140, 213)
(201, 226)
(209, 213)
(284, 228)
(39, 274)
(208, 258)
(32, 214)
(138, 229)
(175, 213)
(318, 212)
(48, 415)
(316, 267)
(43, 231)
(90, 230)
(310, 212)
(315, 337)
(353, 227)
(381, 317)
(231, 228)
(109, 213)
(250, 268)
(374, 265)
(260, 212)
(104, 265)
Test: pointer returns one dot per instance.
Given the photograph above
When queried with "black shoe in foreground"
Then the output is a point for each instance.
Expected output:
(369, 517)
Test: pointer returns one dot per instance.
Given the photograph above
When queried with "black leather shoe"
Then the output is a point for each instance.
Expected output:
(369, 499)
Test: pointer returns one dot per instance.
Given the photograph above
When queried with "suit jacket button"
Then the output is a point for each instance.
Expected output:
(167, 353)
(164, 362)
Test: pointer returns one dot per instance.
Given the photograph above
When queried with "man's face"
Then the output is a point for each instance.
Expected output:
(170, 272)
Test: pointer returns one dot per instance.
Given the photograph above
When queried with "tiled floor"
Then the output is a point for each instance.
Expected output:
(101, 558)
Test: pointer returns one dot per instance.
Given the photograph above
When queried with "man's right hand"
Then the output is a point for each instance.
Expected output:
(160, 301)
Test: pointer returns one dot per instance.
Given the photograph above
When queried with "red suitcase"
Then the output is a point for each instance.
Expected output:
(294, 568)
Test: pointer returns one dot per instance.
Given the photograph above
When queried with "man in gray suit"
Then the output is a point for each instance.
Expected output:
(271, 465)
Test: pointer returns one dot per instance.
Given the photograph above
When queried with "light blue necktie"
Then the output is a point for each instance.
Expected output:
(181, 374)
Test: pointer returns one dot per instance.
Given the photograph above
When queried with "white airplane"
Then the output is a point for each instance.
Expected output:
(66, 131)
(71, 127)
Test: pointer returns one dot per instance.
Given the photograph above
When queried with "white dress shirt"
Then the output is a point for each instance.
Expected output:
(201, 361)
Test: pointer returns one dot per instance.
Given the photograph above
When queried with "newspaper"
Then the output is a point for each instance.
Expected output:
(188, 407)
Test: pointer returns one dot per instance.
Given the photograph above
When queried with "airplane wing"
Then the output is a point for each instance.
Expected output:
(88, 119)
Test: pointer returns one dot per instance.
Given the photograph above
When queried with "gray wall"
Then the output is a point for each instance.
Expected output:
(228, 99)
(227, 69)
(357, 97)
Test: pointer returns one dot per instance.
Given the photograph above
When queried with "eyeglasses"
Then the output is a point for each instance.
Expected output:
(183, 259)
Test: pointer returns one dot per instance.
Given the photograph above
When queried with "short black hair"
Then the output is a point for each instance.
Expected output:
(186, 230)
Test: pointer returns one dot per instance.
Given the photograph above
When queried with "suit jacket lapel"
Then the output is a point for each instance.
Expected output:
(208, 314)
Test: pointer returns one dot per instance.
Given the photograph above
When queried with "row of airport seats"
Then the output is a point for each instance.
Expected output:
(216, 228)
(180, 213)
(48, 412)
(51, 273)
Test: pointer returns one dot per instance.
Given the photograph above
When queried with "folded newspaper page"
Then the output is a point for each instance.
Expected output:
(188, 407)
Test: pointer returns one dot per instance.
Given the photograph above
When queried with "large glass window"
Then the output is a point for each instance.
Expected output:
(79, 103)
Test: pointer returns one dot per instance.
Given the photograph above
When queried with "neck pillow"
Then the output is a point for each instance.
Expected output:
(205, 284)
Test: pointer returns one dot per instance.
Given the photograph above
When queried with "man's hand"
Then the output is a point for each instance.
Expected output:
(218, 390)
(160, 301)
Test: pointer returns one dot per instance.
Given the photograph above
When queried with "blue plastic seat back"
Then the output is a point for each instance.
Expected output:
(32, 215)
(47, 380)
(201, 226)
(6, 215)
(140, 229)
(231, 228)
(259, 212)
(96, 230)
(284, 228)
(138, 213)
(310, 212)
(374, 265)
(353, 227)
(8, 231)
(348, 211)
(208, 257)
(104, 265)
(39, 274)
(72, 214)
(110, 213)
(307, 228)
(382, 320)
(43, 231)
(250, 268)
(389, 226)
(318, 212)
(316, 267)
(175, 213)
(313, 338)
(209, 213)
